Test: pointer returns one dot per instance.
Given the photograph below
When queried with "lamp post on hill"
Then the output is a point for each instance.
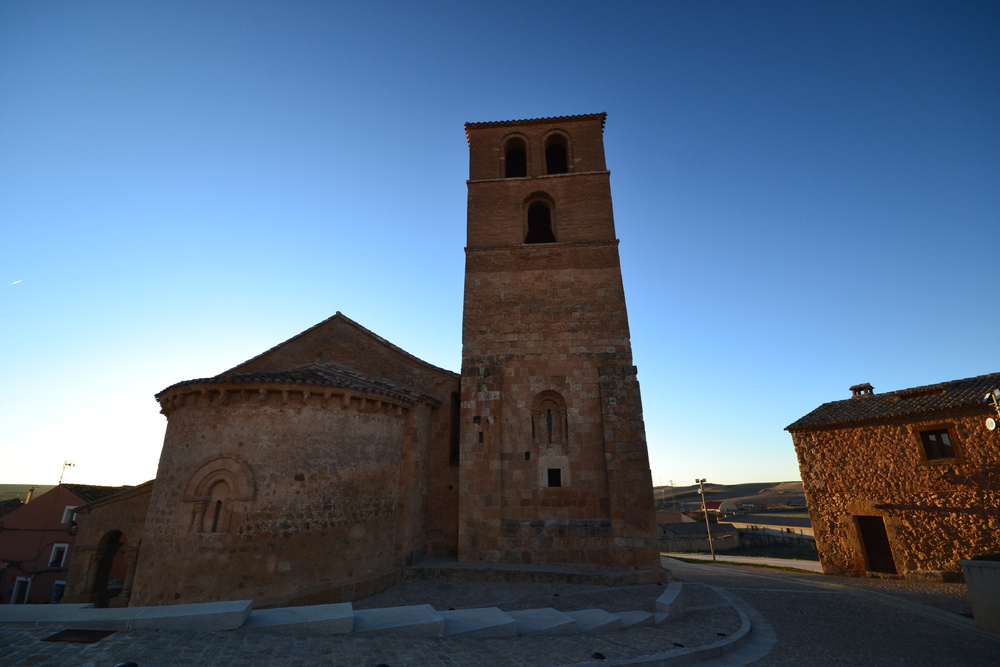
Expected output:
(704, 513)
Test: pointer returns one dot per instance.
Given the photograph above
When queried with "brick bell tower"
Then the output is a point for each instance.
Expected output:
(553, 461)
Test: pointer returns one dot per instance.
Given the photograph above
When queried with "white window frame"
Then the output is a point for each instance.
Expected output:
(68, 514)
(62, 561)
(27, 589)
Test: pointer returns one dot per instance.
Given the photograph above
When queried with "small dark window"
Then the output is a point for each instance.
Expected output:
(937, 444)
(555, 157)
(215, 516)
(527, 456)
(539, 224)
(516, 159)
(480, 437)
(555, 477)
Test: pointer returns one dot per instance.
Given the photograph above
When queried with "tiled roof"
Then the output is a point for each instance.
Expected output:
(313, 375)
(89, 493)
(532, 121)
(120, 491)
(339, 316)
(695, 528)
(771, 520)
(9, 505)
(903, 403)
(548, 119)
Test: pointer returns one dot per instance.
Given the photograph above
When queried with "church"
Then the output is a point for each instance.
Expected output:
(319, 469)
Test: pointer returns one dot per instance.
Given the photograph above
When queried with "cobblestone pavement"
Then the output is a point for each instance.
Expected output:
(22, 646)
(800, 619)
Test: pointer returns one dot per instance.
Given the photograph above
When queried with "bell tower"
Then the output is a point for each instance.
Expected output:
(553, 460)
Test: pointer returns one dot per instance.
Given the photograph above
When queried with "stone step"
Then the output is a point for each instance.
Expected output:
(671, 601)
(595, 620)
(478, 623)
(206, 616)
(635, 619)
(546, 621)
(320, 619)
(37, 614)
(414, 621)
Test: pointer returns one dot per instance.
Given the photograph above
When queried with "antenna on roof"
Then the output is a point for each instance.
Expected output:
(66, 464)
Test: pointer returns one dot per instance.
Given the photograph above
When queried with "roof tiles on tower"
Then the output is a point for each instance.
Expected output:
(929, 399)
(603, 116)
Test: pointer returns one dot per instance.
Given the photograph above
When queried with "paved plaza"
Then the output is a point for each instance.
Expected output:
(796, 619)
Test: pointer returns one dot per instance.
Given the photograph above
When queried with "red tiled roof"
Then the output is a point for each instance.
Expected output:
(313, 374)
(926, 400)
(89, 493)
(533, 121)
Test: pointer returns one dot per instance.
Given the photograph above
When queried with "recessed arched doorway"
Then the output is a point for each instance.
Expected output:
(111, 567)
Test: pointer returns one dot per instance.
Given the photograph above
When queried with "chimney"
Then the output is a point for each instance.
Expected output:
(31, 492)
(864, 389)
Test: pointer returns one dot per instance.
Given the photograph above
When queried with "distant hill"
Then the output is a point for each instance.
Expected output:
(8, 491)
(758, 493)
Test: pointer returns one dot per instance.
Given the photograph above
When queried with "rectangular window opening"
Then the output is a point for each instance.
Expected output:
(937, 444)
(20, 593)
(58, 557)
(555, 477)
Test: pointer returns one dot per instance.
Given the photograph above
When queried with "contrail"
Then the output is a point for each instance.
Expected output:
(15, 282)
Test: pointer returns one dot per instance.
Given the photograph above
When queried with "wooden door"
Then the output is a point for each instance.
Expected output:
(875, 543)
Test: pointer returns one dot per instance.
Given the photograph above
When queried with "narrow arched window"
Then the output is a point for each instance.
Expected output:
(515, 159)
(215, 516)
(556, 158)
(214, 519)
(548, 419)
(539, 224)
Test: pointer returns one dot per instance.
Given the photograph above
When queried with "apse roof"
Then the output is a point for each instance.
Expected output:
(313, 374)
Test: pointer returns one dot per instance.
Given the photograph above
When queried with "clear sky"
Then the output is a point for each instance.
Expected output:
(806, 195)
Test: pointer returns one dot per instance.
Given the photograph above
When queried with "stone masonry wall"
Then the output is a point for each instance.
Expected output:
(546, 324)
(935, 512)
(338, 490)
(343, 342)
(125, 513)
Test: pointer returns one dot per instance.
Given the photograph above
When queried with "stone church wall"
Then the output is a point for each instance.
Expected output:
(319, 492)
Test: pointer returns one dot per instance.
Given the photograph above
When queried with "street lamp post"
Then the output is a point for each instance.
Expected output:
(704, 513)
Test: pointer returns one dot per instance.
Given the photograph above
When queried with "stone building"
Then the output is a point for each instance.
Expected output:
(906, 482)
(109, 533)
(317, 470)
(554, 463)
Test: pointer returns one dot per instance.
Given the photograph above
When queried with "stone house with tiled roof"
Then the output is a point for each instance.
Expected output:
(904, 482)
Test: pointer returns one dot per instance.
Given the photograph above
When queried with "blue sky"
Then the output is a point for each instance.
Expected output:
(806, 196)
